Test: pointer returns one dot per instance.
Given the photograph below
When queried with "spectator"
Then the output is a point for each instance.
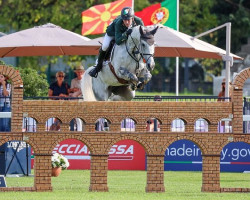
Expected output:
(59, 88)
(5, 92)
(221, 95)
(75, 90)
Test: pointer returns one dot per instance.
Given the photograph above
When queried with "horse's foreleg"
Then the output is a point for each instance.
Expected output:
(127, 75)
(144, 77)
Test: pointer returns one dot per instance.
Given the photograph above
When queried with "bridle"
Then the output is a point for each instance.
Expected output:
(137, 50)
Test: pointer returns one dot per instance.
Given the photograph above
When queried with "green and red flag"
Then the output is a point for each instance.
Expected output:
(164, 13)
(96, 19)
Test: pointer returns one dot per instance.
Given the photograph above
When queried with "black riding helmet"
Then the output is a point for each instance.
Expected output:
(127, 13)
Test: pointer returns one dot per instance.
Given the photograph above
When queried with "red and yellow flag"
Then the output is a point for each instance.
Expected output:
(161, 13)
(96, 19)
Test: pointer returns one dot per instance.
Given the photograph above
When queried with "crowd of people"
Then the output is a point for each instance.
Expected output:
(60, 90)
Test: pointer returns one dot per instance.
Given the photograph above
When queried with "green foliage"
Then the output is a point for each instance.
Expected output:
(34, 84)
(212, 66)
(196, 16)
(238, 13)
(64, 13)
(2, 62)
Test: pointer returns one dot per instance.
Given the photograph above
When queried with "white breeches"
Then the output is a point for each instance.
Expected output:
(106, 41)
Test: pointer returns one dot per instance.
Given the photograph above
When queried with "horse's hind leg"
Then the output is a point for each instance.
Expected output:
(122, 93)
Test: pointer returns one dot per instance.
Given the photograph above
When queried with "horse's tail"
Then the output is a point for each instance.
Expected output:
(86, 87)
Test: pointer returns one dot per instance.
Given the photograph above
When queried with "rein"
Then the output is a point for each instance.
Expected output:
(138, 52)
(120, 80)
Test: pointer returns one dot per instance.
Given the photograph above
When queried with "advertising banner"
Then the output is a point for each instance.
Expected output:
(15, 158)
(184, 155)
(124, 155)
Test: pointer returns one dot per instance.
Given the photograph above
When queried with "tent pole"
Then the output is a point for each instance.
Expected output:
(227, 58)
(228, 46)
(177, 58)
(177, 77)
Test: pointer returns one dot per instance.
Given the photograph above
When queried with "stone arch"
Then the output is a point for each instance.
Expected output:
(74, 122)
(240, 139)
(239, 80)
(12, 74)
(9, 138)
(80, 117)
(200, 130)
(33, 144)
(37, 119)
(201, 117)
(203, 147)
(62, 119)
(130, 117)
(172, 119)
(16, 96)
(65, 137)
(129, 137)
(153, 116)
(220, 146)
(105, 117)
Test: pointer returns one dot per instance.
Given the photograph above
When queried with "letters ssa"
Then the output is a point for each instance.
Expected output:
(81, 149)
(122, 149)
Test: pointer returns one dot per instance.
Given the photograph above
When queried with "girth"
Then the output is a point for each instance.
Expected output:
(120, 80)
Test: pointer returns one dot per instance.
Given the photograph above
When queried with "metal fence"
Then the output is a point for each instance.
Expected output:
(181, 98)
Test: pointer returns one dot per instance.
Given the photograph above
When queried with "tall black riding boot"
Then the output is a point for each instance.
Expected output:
(98, 67)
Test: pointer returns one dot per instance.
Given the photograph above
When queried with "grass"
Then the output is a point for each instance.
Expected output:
(129, 185)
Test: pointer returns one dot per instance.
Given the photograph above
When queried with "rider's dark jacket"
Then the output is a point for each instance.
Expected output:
(118, 29)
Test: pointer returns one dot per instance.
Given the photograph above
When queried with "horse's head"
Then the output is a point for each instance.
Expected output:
(147, 47)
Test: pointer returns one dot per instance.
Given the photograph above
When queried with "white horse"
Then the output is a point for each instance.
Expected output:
(129, 68)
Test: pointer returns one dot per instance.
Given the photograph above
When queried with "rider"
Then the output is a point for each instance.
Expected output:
(119, 30)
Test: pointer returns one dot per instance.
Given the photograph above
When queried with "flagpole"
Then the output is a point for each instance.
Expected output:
(133, 4)
(177, 58)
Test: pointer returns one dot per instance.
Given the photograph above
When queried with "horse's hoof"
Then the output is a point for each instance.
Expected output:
(140, 86)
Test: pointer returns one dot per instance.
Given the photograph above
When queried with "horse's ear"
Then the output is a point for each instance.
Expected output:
(141, 31)
(154, 30)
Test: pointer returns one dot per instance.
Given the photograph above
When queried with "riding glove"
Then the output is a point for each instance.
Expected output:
(129, 31)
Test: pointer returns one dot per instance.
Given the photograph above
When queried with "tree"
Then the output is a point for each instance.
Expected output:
(34, 84)
(196, 16)
(64, 13)
(238, 13)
